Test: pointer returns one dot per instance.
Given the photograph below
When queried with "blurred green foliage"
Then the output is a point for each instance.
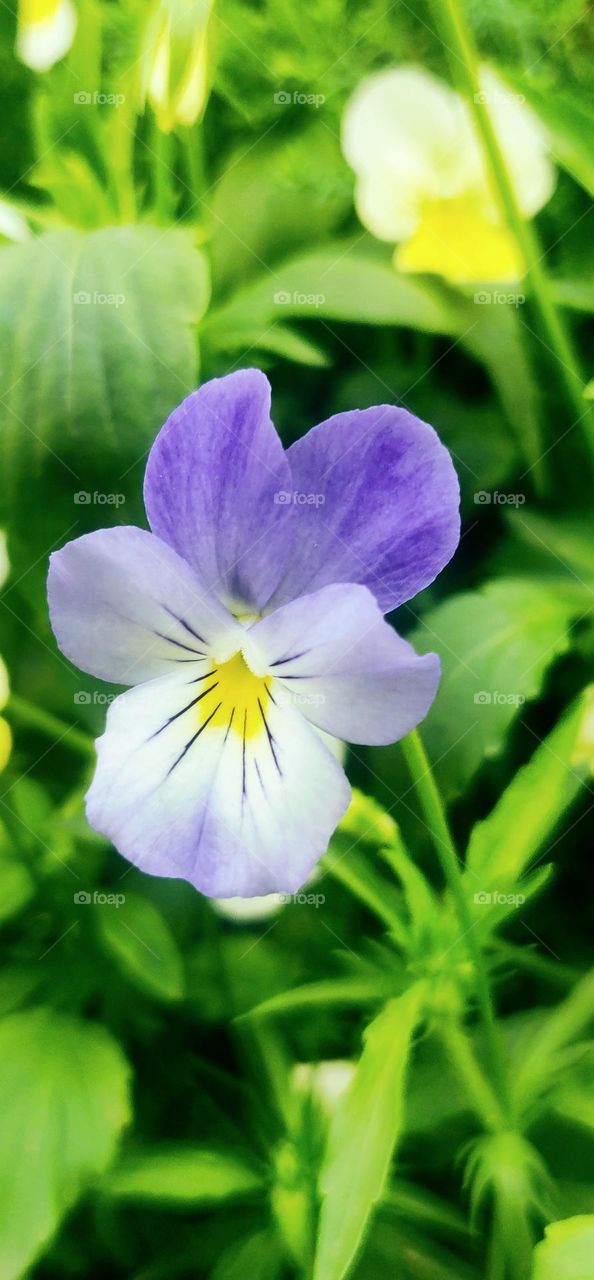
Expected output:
(157, 1122)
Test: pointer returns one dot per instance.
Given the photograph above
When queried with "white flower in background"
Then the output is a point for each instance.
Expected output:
(175, 70)
(422, 181)
(327, 1081)
(45, 31)
(12, 225)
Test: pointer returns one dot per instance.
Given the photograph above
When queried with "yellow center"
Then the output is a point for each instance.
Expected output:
(456, 240)
(234, 698)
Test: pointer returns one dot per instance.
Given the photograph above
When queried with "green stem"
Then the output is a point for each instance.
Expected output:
(459, 39)
(551, 971)
(32, 717)
(437, 823)
(191, 141)
(366, 893)
(163, 194)
(461, 1054)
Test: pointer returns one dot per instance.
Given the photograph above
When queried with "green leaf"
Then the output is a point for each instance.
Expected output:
(285, 341)
(567, 1251)
(143, 946)
(498, 339)
(181, 1176)
(561, 546)
(339, 991)
(259, 1256)
(505, 843)
(337, 284)
(67, 1082)
(495, 647)
(16, 887)
(121, 352)
(363, 1135)
(569, 123)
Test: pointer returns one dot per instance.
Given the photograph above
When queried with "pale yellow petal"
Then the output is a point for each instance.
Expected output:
(5, 743)
(455, 240)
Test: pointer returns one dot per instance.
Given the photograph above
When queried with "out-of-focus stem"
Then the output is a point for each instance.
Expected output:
(459, 40)
(437, 824)
(33, 717)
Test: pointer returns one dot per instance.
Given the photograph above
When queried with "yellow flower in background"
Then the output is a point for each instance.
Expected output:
(176, 61)
(422, 180)
(45, 31)
(5, 734)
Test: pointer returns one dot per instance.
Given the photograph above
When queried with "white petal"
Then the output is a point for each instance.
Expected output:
(409, 138)
(42, 42)
(236, 817)
(125, 607)
(523, 141)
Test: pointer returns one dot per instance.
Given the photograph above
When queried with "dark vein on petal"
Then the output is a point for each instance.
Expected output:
(229, 726)
(260, 776)
(192, 740)
(177, 714)
(270, 737)
(291, 658)
(184, 624)
(179, 644)
(243, 758)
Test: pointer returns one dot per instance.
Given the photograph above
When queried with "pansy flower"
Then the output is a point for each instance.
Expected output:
(248, 619)
(422, 179)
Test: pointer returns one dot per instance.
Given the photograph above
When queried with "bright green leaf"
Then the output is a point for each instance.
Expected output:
(181, 1176)
(567, 1251)
(495, 647)
(66, 1083)
(504, 844)
(331, 991)
(364, 1134)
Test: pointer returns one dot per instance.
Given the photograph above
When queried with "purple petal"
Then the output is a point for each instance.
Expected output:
(125, 607)
(212, 487)
(343, 666)
(376, 497)
(235, 817)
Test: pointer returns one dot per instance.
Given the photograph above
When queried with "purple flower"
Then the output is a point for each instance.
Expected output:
(248, 620)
